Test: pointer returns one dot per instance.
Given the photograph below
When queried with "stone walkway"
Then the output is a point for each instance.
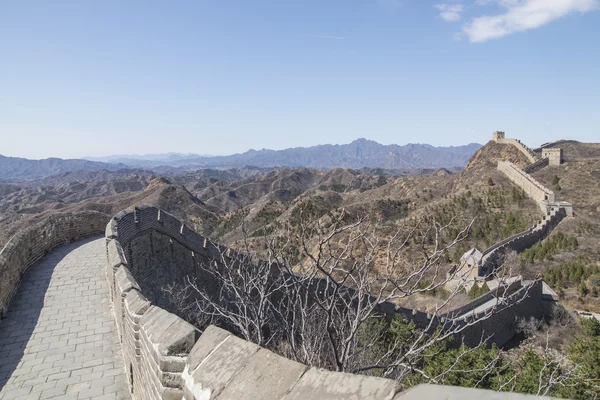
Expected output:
(59, 338)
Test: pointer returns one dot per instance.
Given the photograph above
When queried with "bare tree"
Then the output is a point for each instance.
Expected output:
(323, 294)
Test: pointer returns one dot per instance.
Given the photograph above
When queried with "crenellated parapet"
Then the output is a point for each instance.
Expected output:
(530, 186)
(553, 211)
(37, 240)
(554, 155)
(168, 358)
(500, 137)
(494, 255)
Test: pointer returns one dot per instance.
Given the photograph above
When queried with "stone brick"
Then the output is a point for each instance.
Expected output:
(326, 385)
(50, 364)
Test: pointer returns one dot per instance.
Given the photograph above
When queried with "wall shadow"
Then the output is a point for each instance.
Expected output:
(18, 328)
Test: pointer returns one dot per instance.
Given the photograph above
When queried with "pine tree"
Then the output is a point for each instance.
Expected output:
(582, 289)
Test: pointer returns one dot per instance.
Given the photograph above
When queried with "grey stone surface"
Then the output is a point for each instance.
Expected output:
(220, 366)
(164, 362)
(265, 376)
(34, 241)
(58, 338)
(211, 338)
(424, 392)
(321, 384)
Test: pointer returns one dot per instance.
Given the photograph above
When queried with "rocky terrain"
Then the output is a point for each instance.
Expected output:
(215, 202)
(575, 269)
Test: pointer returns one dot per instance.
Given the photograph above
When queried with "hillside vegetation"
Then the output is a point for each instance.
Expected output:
(266, 202)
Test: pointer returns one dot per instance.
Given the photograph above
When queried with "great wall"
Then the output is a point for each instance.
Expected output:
(166, 357)
(159, 345)
(553, 211)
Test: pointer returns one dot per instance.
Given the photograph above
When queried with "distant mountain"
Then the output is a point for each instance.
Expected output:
(22, 168)
(147, 159)
(360, 153)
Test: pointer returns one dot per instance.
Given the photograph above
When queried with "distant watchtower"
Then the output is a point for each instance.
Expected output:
(497, 136)
(554, 155)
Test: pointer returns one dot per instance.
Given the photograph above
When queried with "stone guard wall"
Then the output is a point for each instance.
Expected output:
(493, 255)
(532, 188)
(531, 156)
(34, 242)
(539, 164)
(167, 358)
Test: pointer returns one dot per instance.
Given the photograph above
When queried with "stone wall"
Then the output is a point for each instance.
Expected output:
(554, 155)
(500, 322)
(494, 255)
(532, 188)
(498, 135)
(531, 156)
(539, 164)
(167, 358)
(155, 342)
(33, 242)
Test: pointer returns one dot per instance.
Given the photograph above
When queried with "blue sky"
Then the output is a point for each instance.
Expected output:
(83, 78)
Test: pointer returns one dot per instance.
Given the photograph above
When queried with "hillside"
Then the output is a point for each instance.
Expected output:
(576, 181)
(216, 201)
(268, 203)
(30, 203)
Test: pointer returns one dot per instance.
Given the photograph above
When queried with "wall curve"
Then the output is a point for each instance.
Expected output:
(531, 156)
(34, 242)
(167, 357)
(532, 188)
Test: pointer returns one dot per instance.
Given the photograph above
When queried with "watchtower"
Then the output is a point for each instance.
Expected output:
(554, 155)
(497, 136)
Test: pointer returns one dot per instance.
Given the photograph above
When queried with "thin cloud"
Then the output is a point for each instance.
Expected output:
(450, 12)
(522, 15)
(328, 37)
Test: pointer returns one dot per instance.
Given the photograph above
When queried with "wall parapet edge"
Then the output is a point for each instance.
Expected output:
(32, 243)
(168, 358)
(531, 156)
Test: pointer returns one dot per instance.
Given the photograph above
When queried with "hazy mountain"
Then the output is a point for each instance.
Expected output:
(22, 168)
(147, 159)
(358, 154)
(361, 153)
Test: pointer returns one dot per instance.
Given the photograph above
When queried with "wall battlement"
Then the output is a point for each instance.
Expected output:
(34, 242)
(554, 155)
(532, 188)
(539, 164)
(494, 255)
(553, 211)
(168, 358)
(499, 137)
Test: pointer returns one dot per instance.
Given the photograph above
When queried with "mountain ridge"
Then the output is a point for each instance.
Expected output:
(23, 168)
(359, 153)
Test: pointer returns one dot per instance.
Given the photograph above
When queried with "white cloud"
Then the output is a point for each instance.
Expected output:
(450, 12)
(522, 15)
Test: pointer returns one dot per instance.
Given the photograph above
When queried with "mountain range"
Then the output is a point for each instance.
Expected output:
(360, 153)
(23, 168)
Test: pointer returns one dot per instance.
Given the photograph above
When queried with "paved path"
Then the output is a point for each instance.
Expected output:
(59, 338)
